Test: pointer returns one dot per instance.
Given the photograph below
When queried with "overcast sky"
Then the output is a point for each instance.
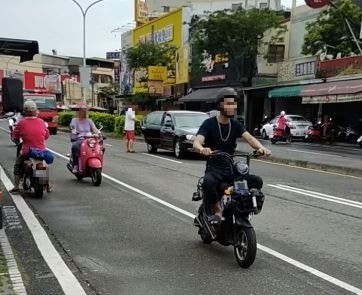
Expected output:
(57, 24)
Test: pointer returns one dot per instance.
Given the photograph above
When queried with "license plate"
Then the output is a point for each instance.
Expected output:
(40, 173)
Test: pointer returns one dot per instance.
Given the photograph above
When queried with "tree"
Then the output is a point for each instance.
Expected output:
(235, 34)
(330, 31)
(151, 54)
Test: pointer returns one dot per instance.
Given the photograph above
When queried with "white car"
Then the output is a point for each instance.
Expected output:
(298, 126)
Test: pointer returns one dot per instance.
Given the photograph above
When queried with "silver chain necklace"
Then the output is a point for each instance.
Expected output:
(227, 137)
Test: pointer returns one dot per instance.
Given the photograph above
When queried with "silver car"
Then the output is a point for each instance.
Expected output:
(298, 126)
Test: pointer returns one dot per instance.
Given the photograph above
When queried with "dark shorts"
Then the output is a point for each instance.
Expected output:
(19, 165)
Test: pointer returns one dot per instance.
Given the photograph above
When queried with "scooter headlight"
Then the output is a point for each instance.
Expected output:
(92, 143)
(190, 137)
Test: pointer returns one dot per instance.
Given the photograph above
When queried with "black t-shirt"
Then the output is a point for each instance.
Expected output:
(226, 141)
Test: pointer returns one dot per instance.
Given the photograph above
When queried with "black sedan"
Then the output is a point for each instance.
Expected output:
(172, 130)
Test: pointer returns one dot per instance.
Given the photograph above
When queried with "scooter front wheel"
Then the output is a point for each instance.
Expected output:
(96, 175)
(245, 247)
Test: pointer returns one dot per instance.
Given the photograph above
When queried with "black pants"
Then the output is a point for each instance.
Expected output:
(213, 180)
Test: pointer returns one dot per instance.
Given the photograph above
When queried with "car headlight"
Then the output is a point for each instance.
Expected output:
(190, 137)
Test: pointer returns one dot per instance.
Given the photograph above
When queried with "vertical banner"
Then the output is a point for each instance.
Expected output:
(141, 11)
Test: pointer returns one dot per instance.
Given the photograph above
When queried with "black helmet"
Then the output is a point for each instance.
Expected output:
(225, 92)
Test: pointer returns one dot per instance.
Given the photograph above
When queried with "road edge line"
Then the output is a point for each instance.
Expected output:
(67, 280)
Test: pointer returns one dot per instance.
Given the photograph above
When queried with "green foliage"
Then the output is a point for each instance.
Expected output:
(236, 34)
(64, 118)
(331, 29)
(119, 124)
(111, 123)
(150, 54)
(109, 90)
(107, 120)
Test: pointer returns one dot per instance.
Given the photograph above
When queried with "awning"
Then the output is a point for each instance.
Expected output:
(332, 98)
(287, 91)
(199, 95)
(26, 49)
(333, 88)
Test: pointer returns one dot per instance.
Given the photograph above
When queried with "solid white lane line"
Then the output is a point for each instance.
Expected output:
(321, 194)
(65, 277)
(107, 144)
(311, 270)
(313, 153)
(287, 259)
(316, 196)
(162, 158)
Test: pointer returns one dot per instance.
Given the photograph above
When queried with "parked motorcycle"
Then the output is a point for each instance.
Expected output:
(314, 133)
(351, 134)
(281, 135)
(359, 141)
(90, 162)
(36, 173)
(239, 203)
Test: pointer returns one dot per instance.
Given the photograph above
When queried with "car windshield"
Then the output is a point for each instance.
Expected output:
(190, 120)
(42, 102)
(296, 118)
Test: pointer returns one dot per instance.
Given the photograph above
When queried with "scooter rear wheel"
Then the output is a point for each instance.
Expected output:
(38, 188)
(245, 247)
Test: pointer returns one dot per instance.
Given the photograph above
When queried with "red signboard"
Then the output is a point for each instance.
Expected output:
(42, 82)
(351, 65)
(317, 3)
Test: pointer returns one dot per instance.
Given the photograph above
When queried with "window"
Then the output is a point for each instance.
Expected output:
(263, 5)
(275, 53)
(236, 6)
(153, 118)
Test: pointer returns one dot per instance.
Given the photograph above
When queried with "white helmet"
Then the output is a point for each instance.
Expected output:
(282, 113)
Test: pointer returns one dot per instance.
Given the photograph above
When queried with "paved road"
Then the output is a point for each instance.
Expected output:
(122, 242)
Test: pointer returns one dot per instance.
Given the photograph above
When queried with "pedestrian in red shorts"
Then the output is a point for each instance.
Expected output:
(129, 126)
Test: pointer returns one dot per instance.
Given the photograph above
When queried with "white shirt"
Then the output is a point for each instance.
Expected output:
(129, 121)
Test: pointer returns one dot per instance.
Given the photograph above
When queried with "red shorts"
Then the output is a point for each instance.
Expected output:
(129, 134)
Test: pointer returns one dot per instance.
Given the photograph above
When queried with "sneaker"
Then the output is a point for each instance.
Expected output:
(75, 169)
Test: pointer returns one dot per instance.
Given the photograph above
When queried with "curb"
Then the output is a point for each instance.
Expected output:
(17, 285)
(298, 163)
(354, 172)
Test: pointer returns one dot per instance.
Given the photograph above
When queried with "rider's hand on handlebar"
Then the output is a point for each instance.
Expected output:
(205, 151)
(74, 132)
(264, 152)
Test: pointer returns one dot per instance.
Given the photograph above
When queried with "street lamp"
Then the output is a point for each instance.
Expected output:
(84, 13)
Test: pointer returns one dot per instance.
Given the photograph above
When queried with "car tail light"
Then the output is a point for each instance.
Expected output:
(92, 142)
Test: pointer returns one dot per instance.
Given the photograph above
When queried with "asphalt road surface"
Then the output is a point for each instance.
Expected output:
(134, 233)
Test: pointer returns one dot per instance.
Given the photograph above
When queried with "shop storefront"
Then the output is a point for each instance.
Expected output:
(172, 82)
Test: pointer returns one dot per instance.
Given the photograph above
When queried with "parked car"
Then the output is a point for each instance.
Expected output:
(172, 130)
(298, 126)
